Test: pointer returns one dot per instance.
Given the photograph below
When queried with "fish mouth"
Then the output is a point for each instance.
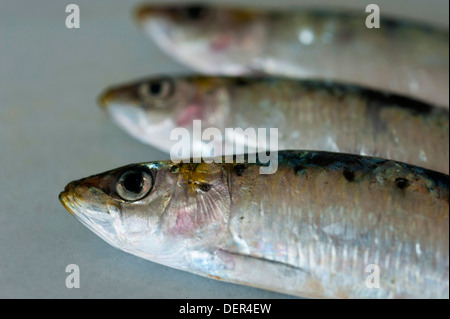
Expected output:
(70, 198)
(100, 225)
(66, 199)
(143, 12)
(124, 95)
(105, 98)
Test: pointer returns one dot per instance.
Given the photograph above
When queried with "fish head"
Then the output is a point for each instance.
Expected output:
(144, 109)
(210, 39)
(150, 109)
(153, 210)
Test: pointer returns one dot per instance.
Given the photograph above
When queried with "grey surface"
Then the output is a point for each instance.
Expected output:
(52, 132)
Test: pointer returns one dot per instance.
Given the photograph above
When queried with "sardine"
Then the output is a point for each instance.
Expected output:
(314, 115)
(404, 57)
(323, 225)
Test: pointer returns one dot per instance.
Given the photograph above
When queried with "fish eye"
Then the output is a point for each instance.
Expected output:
(157, 89)
(196, 12)
(134, 185)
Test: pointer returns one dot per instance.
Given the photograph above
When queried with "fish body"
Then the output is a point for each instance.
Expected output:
(317, 227)
(403, 57)
(308, 114)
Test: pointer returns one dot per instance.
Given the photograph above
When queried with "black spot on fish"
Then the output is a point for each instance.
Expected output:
(401, 183)
(239, 169)
(391, 25)
(349, 175)
(298, 169)
(205, 187)
(240, 81)
(196, 12)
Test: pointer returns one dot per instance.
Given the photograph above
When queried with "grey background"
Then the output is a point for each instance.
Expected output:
(52, 132)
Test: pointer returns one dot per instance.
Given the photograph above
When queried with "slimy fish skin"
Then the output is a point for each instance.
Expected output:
(311, 229)
(309, 114)
(404, 57)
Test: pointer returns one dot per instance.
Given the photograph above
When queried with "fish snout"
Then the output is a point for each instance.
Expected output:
(66, 199)
(76, 188)
(144, 12)
(105, 98)
(125, 95)
(87, 194)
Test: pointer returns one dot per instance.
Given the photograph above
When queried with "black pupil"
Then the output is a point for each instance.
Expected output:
(402, 183)
(155, 88)
(195, 13)
(133, 182)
